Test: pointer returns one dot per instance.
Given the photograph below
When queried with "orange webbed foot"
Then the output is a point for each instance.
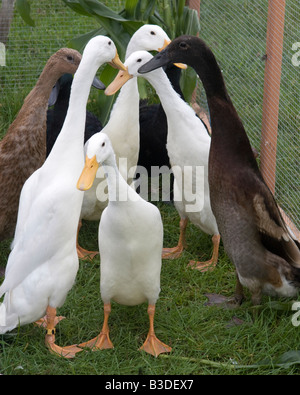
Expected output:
(154, 346)
(100, 342)
(203, 266)
(65, 352)
(172, 253)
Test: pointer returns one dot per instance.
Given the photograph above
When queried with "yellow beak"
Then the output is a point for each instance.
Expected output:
(118, 82)
(116, 63)
(180, 65)
(88, 174)
(166, 43)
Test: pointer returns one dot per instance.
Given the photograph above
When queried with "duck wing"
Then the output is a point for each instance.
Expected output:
(274, 233)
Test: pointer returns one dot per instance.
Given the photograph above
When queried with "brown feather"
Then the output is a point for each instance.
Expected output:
(23, 148)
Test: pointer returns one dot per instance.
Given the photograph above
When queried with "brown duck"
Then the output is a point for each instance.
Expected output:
(23, 148)
(254, 234)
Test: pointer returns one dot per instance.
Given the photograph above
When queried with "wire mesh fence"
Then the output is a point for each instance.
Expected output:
(28, 48)
(235, 30)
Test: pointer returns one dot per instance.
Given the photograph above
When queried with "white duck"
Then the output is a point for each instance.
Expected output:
(43, 263)
(188, 145)
(130, 243)
(122, 129)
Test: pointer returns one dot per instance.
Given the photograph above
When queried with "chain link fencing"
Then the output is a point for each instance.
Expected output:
(236, 32)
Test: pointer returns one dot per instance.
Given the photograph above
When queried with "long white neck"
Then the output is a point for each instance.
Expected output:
(185, 129)
(169, 98)
(118, 189)
(126, 110)
(71, 138)
(123, 128)
(126, 107)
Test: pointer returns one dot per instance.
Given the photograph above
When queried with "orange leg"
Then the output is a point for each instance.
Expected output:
(67, 352)
(210, 264)
(82, 253)
(102, 341)
(42, 322)
(175, 252)
(152, 345)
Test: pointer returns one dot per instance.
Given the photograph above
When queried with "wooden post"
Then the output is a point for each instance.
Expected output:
(274, 46)
(6, 15)
(195, 5)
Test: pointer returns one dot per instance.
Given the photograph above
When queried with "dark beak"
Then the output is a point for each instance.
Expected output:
(98, 84)
(55, 90)
(54, 94)
(161, 59)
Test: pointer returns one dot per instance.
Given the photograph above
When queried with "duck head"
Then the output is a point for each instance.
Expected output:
(99, 150)
(184, 49)
(132, 64)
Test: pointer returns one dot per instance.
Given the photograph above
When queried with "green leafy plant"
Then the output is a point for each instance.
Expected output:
(173, 16)
(23, 6)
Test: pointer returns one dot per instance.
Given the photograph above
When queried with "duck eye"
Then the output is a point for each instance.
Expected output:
(183, 45)
(70, 58)
(153, 33)
(103, 144)
(109, 42)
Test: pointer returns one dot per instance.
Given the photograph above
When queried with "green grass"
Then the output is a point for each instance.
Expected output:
(202, 337)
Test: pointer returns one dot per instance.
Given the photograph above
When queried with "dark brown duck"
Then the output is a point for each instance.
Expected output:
(255, 237)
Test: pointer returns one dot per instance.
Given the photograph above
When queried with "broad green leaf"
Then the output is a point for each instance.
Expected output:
(80, 42)
(130, 8)
(188, 83)
(149, 9)
(156, 18)
(173, 16)
(106, 102)
(180, 7)
(138, 11)
(131, 27)
(142, 85)
(117, 33)
(167, 13)
(76, 6)
(96, 8)
(23, 8)
(194, 23)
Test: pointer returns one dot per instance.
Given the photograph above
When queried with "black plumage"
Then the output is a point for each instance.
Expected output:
(56, 115)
